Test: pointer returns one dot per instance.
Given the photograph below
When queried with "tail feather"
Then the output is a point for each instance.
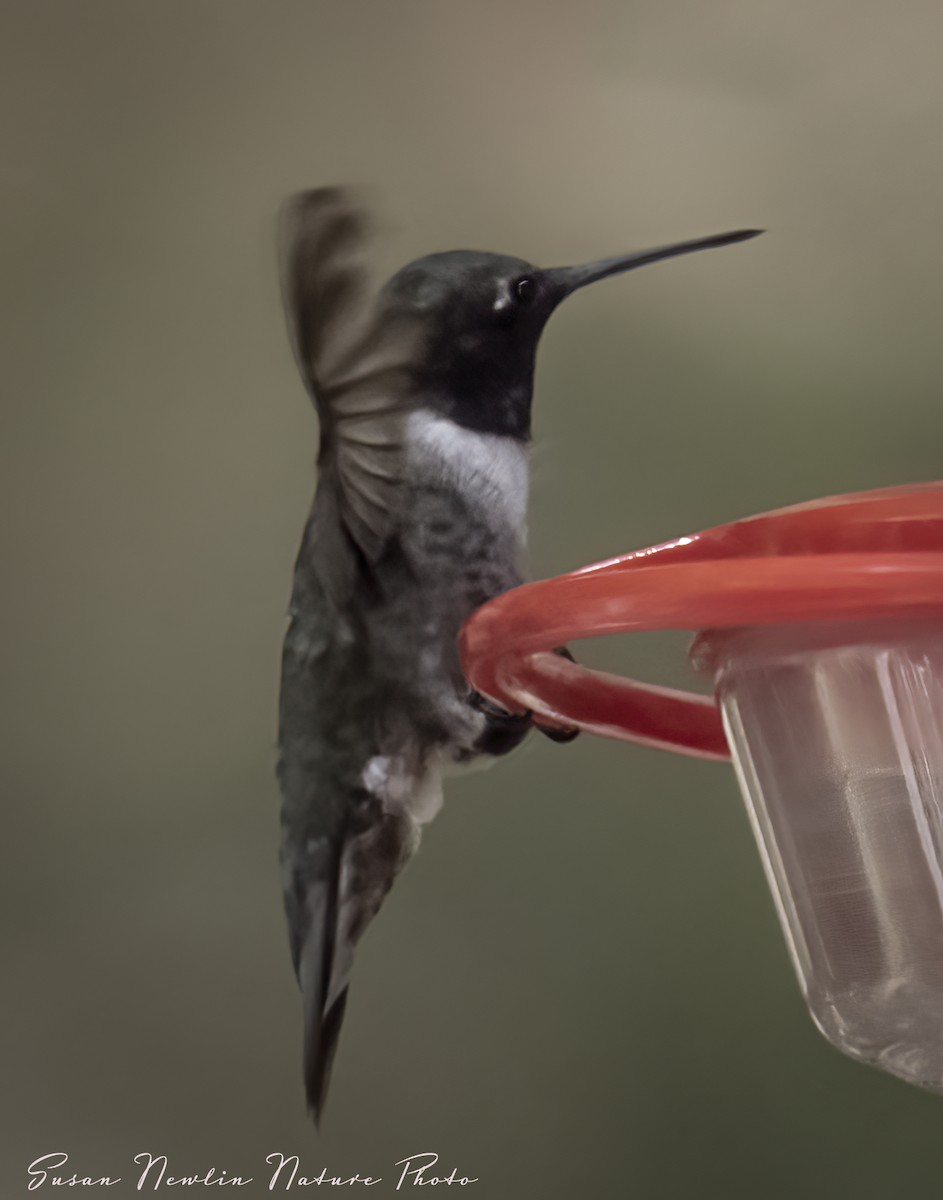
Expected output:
(322, 1031)
(313, 930)
(330, 899)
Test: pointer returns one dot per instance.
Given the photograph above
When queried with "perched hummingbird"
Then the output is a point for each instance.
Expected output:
(423, 393)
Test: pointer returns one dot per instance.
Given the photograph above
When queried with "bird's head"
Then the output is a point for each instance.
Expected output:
(481, 317)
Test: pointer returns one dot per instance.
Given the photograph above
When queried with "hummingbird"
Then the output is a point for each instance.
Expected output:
(423, 394)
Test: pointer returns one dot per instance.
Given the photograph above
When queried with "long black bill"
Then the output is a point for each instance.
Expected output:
(571, 278)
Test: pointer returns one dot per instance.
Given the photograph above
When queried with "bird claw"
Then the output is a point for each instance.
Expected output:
(496, 715)
(556, 734)
(499, 718)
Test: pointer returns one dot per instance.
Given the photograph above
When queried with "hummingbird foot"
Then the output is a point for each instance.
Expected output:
(502, 724)
(496, 715)
(556, 734)
(503, 730)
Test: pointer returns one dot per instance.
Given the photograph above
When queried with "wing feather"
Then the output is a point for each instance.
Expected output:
(356, 364)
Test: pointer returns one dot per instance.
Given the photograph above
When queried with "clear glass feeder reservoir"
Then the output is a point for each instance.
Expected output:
(824, 639)
(836, 733)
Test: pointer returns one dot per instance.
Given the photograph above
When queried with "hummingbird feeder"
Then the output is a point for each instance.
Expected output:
(822, 628)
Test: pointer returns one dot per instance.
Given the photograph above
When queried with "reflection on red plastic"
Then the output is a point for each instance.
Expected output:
(867, 555)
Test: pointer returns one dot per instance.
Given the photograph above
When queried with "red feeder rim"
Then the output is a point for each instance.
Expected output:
(866, 555)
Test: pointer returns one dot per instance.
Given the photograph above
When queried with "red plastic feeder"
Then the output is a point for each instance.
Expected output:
(822, 625)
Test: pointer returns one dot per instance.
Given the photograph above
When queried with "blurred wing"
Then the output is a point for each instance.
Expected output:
(354, 364)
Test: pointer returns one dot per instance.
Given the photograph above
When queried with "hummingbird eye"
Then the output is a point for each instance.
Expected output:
(525, 290)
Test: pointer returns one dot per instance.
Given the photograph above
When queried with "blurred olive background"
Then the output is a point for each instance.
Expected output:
(579, 986)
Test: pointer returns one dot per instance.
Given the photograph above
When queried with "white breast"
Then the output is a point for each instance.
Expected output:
(491, 469)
